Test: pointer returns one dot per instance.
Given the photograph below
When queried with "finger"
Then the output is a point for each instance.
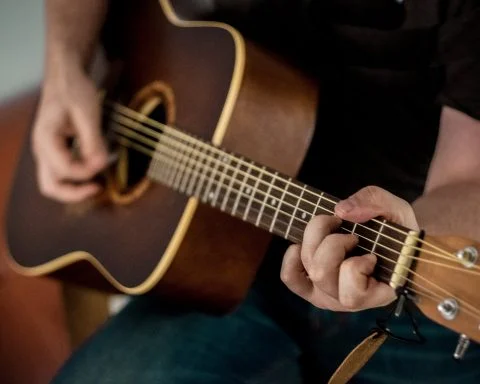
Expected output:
(325, 266)
(322, 300)
(371, 202)
(61, 162)
(293, 274)
(51, 187)
(358, 289)
(315, 232)
(50, 148)
(86, 119)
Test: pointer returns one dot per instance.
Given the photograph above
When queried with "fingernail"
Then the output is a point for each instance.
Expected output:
(345, 206)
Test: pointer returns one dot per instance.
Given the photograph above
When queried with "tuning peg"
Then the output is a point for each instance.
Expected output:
(462, 346)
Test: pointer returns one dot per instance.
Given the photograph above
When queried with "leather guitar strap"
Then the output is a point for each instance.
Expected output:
(358, 358)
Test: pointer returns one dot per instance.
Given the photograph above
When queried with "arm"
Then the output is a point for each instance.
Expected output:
(454, 179)
(72, 29)
(68, 105)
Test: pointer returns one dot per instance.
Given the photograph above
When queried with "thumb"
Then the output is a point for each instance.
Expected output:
(371, 202)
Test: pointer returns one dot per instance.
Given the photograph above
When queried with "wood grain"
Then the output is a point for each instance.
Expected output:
(272, 123)
(438, 282)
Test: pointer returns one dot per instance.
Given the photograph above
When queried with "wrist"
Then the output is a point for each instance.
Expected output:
(62, 65)
(62, 56)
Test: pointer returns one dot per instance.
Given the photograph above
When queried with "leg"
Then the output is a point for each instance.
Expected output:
(396, 362)
(149, 343)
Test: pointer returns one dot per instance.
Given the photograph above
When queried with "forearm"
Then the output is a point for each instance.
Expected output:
(72, 29)
(452, 209)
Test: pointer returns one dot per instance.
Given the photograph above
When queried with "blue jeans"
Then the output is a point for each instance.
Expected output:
(273, 337)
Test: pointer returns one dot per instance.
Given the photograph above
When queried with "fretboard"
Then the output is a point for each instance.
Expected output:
(260, 195)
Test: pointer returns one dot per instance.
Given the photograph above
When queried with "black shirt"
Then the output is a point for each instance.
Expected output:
(385, 68)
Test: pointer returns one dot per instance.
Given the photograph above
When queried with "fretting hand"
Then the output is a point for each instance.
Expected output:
(317, 269)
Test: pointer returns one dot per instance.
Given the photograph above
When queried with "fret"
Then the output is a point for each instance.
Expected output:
(225, 160)
(378, 236)
(207, 195)
(319, 204)
(182, 166)
(174, 160)
(353, 229)
(253, 193)
(264, 201)
(155, 169)
(299, 199)
(196, 170)
(279, 205)
(246, 176)
(184, 181)
(164, 166)
(203, 173)
(328, 204)
(367, 233)
(230, 184)
(305, 209)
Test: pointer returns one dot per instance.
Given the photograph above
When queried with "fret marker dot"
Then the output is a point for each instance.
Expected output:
(211, 196)
(274, 202)
(225, 159)
(304, 215)
(248, 191)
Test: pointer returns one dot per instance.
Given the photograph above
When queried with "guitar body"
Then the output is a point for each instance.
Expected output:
(147, 238)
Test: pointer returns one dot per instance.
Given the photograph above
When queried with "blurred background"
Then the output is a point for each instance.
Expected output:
(21, 45)
(41, 320)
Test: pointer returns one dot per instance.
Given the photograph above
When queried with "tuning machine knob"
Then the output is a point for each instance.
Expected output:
(468, 256)
(462, 346)
(448, 308)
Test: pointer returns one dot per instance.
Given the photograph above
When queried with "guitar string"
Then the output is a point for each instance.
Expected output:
(193, 172)
(471, 271)
(471, 312)
(204, 156)
(138, 117)
(435, 298)
(212, 148)
(285, 202)
(381, 256)
(466, 310)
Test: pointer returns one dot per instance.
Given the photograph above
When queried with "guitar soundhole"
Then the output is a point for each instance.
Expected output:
(130, 178)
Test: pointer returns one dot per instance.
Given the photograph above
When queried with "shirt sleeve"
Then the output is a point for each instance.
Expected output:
(459, 52)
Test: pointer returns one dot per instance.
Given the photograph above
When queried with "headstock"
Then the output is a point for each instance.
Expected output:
(445, 280)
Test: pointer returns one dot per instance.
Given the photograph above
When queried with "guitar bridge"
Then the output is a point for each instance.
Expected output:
(405, 260)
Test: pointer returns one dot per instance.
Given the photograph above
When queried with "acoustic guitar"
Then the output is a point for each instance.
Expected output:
(210, 131)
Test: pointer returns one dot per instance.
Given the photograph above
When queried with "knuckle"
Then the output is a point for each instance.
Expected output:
(349, 268)
(371, 191)
(306, 255)
(319, 222)
(285, 270)
(318, 300)
(321, 225)
(351, 301)
(47, 189)
(333, 240)
(284, 273)
(318, 275)
(61, 169)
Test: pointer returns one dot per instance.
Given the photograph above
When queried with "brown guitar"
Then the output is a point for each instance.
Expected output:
(184, 218)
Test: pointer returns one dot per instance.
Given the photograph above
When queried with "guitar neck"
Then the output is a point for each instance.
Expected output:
(255, 193)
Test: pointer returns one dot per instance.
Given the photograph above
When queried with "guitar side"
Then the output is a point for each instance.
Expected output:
(225, 90)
